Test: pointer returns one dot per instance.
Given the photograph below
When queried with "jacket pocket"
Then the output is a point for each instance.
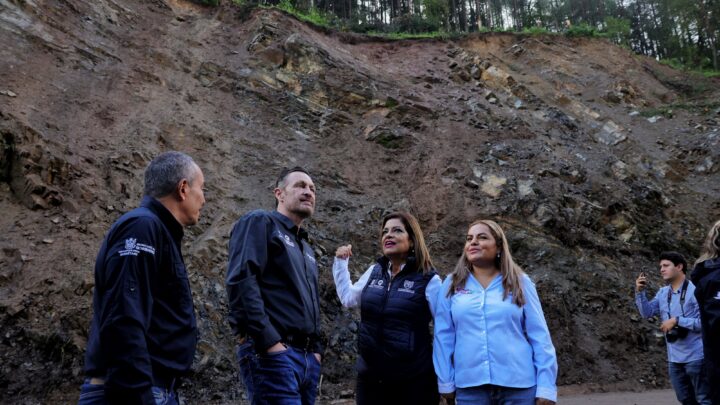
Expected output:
(399, 343)
(181, 284)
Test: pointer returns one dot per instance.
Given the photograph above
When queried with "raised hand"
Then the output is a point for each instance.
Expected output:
(641, 282)
(344, 252)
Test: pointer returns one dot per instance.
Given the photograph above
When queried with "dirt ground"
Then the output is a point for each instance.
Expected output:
(656, 397)
(592, 158)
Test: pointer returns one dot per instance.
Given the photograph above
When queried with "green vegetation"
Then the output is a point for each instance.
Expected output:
(312, 15)
(537, 31)
(436, 12)
(618, 30)
(706, 70)
(667, 110)
(582, 30)
(683, 32)
(409, 35)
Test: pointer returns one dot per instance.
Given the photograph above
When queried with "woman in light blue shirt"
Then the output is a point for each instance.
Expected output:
(492, 345)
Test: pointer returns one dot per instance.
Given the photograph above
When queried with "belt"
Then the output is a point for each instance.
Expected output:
(302, 342)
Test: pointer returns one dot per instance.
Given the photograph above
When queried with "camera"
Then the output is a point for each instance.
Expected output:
(676, 333)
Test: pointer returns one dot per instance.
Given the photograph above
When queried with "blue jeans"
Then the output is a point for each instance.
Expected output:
(690, 383)
(495, 395)
(92, 394)
(289, 377)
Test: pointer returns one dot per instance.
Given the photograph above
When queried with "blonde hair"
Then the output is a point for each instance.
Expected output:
(511, 273)
(711, 247)
(412, 227)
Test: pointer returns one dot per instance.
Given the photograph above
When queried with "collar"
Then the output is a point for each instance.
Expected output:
(410, 264)
(495, 281)
(682, 287)
(167, 218)
(290, 225)
(712, 263)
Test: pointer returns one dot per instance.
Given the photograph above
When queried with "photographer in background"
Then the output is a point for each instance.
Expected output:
(678, 310)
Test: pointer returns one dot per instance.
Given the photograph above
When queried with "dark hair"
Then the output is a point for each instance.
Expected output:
(676, 259)
(412, 227)
(280, 182)
(282, 178)
(167, 170)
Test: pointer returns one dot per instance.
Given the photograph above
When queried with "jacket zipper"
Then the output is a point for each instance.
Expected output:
(307, 282)
(384, 304)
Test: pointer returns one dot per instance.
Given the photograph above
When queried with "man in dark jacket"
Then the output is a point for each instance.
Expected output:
(272, 284)
(706, 278)
(143, 332)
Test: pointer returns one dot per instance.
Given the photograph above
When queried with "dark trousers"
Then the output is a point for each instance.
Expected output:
(421, 390)
(289, 377)
(712, 373)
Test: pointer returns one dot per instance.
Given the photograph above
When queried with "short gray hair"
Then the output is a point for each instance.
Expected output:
(167, 170)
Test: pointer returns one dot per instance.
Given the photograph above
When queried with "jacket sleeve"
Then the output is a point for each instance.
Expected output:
(348, 292)
(126, 310)
(444, 341)
(647, 308)
(538, 336)
(248, 257)
(699, 288)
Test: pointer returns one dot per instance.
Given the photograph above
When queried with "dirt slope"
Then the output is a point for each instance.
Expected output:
(541, 133)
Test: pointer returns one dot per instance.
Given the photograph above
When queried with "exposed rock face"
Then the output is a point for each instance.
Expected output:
(538, 133)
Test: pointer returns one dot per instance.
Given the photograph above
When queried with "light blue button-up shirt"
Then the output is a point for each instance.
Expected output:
(682, 350)
(482, 339)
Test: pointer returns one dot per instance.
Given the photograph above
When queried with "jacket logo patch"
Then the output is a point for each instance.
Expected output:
(407, 287)
(376, 284)
(132, 248)
(286, 239)
(462, 291)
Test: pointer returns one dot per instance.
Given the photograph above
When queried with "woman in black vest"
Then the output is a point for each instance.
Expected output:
(397, 298)
(706, 277)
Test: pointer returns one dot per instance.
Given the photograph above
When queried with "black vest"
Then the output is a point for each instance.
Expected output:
(394, 340)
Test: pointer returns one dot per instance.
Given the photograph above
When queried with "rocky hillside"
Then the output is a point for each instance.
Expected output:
(594, 159)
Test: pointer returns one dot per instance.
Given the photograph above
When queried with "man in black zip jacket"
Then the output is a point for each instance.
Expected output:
(143, 332)
(272, 284)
